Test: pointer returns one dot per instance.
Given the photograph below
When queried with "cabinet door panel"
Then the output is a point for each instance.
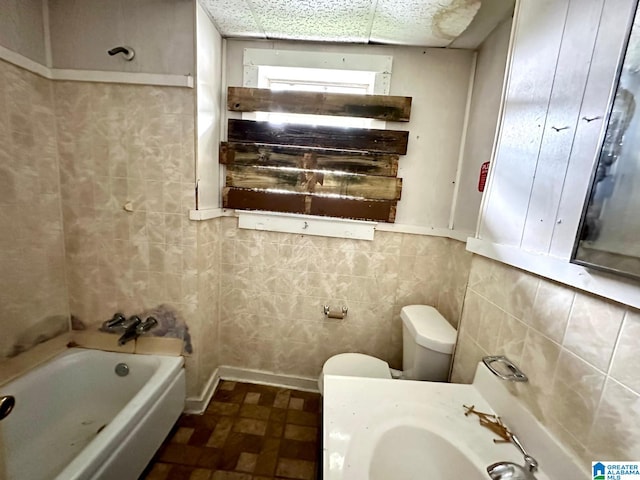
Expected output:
(539, 28)
(560, 125)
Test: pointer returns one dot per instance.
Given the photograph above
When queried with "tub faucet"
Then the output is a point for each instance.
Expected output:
(135, 327)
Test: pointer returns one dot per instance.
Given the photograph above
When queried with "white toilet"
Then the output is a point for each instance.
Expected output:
(427, 343)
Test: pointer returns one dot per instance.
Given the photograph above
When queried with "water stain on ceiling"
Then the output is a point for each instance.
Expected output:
(429, 23)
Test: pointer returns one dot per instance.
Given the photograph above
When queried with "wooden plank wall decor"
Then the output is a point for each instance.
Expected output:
(247, 199)
(314, 170)
(368, 139)
(310, 181)
(365, 163)
(381, 107)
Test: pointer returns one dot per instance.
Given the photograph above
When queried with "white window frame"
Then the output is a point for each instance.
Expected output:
(254, 58)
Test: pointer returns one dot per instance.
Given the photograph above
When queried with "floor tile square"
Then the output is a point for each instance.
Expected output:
(300, 433)
(278, 415)
(222, 408)
(200, 437)
(296, 403)
(255, 411)
(247, 462)
(180, 472)
(303, 418)
(209, 458)
(298, 450)
(282, 399)
(298, 469)
(252, 397)
(267, 398)
(182, 435)
(220, 433)
(201, 474)
(222, 475)
(250, 426)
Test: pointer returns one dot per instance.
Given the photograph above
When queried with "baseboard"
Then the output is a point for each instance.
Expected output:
(197, 405)
(306, 384)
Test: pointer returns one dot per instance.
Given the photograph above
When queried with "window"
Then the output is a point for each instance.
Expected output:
(283, 156)
(316, 80)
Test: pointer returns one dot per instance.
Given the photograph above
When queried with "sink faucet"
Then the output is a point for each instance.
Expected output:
(513, 471)
(135, 327)
(510, 471)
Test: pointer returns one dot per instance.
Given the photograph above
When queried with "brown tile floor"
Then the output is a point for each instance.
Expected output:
(248, 432)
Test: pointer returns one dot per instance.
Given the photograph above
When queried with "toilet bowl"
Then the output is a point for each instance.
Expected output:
(427, 342)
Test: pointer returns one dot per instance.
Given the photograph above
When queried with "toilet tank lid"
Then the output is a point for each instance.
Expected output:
(429, 328)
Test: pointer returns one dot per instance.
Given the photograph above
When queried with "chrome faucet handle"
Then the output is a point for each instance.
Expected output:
(132, 322)
(147, 325)
(115, 322)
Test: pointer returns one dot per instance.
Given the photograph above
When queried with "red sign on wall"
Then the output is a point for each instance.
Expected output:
(482, 180)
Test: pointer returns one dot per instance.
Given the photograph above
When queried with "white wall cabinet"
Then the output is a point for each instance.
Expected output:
(562, 70)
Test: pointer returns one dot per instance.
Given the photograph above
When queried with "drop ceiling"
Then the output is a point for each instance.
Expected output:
(428, 23)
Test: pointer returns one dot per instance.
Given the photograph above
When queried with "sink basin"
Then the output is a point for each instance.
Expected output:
(381, 429)
(409, 453)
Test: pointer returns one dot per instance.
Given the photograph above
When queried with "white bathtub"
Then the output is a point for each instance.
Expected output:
(74, 418)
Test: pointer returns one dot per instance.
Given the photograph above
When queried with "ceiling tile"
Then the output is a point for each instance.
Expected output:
(233, 18)
(315, 20)
(422, 22)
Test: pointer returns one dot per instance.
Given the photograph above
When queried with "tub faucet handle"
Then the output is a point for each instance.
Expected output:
(115, 322)
(132, 322)
(147, 325)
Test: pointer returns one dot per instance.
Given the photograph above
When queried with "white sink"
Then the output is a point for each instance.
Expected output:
(406, 453)
(377, 429)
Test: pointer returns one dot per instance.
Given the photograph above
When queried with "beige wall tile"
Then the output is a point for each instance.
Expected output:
(615, 434)
(624, 367)
(539, 361)
(575, 394)
(511, 339)
(551, 307)
(593, 328)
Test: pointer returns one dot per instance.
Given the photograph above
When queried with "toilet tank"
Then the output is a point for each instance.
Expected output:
(427, 342)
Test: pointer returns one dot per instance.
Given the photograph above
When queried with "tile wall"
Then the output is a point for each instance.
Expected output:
(579, 351)
(127, 178)
(273, 287)
(33, 289)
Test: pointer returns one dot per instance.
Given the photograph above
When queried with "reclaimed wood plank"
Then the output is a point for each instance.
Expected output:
(377, 210)
(245, 199)
(381, 107)
(372, 140)
(312, 204)
(314, 181)
(366, 163)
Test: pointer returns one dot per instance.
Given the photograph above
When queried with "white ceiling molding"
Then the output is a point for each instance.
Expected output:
(429, 23)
